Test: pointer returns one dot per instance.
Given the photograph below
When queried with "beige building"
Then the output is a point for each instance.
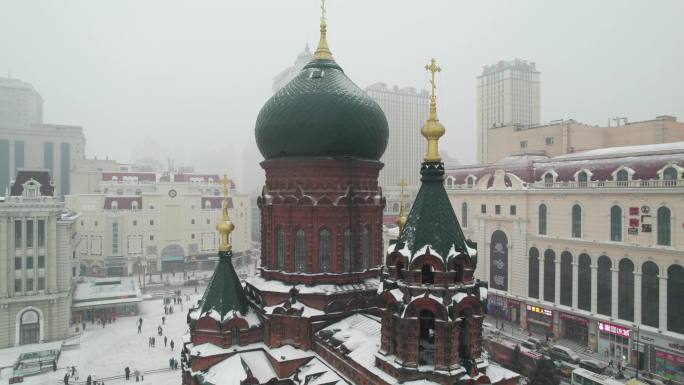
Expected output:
(138, 220)
(587, 246)
(507, 94)
(289, 73)
(568, 136)
(37, 262)
(20, 104)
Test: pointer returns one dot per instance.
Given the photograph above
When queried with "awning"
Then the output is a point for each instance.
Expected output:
(105, 303)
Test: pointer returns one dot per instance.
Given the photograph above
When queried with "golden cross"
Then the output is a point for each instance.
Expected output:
(225, 182)
(433, 68)
(322, 11)
(402, 184)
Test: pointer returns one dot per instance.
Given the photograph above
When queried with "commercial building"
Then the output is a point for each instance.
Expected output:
(38, 240)
(137, 222)
(586, 246)
(289, 73)
(507, 94)
(406, 110)
(568, 136)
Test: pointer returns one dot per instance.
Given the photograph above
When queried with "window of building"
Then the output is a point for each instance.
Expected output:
(626, 290)
(616, 224)
(280, 249)
(542, 219)
(29, 262)
(134, 205)
(95, 223)
(29, 284)
(192, 221)
(497, 209)
(151, 207)
(549, 275)
(41, 233)
(115, 238)
(365, 247)
(549, 141)
(208, 221)
(192, 236)
(300, 250)
(548, 179)
(151, 237)
(73, 271)
(324, 250)
(115, 205)
(29, 233)
(464, 214)
(17, 263)
(470, 181)
(513, 210)
(483, 209)
(533, 271)
(151, 222)
(582, 178)
(41, 261)
(18, 285)
(348, 247)
(670, 173)
(566, 279)
(41, 283)
(650, 294)
(207, 204)
(17, 234)
(584, 282)
(523, 144)
(604, 278)
(576, 221)
(622, 177)
(135, 222)
(675, 288)
(664, 231)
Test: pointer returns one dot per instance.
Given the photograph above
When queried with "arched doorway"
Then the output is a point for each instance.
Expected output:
(498, 260)
(29, 327)
(172, 258)
(427, 275)
(426, 344)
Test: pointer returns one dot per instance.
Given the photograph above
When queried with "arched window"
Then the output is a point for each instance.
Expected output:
(115, 205)
(134, 205)
(464, 214)
(622, 177)
(604, 276)
(670, 173)
(548, 179)
(675, 288)
(626, 290)
(207, 204)
(616, 224)
(324, 250)
(427, 275)
(235, 335)
(566, 279)
(549, 275)
(280, 249)
(576, 221)
(650, 294)
(395, 207)
(29, 327)
(584, 282)
(664, 232)
(365, 247)
(426, 345)
(533, 274)
(348, 247)
(542, 219)
(450, 182)
(300, 250)
(470, 182)
(582, 179)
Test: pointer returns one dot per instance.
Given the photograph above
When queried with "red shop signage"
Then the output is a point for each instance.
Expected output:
(574, 318)
(613, 329)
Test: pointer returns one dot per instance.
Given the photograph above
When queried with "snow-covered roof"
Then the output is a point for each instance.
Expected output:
(233, 370)
(92, 289)
(647, 149)
(283, 353)
(251, 316)
(307, 311)
(281, 287)
(315, 372)
(498, 373)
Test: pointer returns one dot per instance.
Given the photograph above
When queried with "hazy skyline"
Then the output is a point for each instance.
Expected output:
(194, 75)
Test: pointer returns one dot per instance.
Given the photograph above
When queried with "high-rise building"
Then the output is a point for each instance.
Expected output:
(292, 71)
(37, 262)
(406, 111)
(507, 93)
(20, 104)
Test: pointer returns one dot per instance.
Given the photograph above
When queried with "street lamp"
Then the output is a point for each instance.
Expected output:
(636, 345)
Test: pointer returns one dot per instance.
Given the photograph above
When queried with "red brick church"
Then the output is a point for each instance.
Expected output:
(329, 306)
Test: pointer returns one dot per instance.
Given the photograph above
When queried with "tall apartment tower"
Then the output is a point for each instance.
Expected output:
(406, 111)
(289, 73)
(20, 104)
(507, 94)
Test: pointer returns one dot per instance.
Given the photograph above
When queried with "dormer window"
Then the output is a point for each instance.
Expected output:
(31, 189)
(670, 173)
(134, 205)
(549, 179)
(470, 181)
(115, 205)
(207, 204)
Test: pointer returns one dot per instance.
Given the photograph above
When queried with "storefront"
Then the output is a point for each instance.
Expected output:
(503, 308)
(658, 354)
(614, 341)
(575, 328)
(539, 320)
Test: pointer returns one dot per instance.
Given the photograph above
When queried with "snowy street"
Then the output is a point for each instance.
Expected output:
(105, 352)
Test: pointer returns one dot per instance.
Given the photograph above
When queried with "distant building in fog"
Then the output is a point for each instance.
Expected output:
(290, 72)
(406, 110)
(568, 136)
(20, 104)
(507, 93)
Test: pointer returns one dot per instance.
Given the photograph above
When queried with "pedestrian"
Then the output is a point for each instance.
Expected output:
(127, 372)
(73, 371)
(171, 344)
(166, 310)
(140, 321)
(175, 364)
(136, 373)
(163, 320)
(54, 365)
(610, 363)
(171, 363)
(164, 341)
(66, 378)
(195, 289)
(84, 324)
(154, 341)
(89, 380)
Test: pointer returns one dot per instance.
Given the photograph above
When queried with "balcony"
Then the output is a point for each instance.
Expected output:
(610, 184)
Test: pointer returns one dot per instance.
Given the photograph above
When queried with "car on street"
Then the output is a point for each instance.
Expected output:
(595, 366)
(563, 353)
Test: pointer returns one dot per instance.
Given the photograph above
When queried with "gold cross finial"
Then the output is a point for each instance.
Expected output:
(433, 129)
(433, 68)
(401, 219)
(225, 227)
(225, 181)
(323, 52)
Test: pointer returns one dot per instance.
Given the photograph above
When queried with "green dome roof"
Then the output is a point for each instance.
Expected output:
(321, 113)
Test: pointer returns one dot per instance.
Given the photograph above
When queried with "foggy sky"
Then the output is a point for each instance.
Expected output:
(194, 74)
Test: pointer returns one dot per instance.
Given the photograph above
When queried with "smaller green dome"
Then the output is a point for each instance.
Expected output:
(321, 113)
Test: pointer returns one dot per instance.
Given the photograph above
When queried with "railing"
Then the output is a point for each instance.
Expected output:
(655, 183)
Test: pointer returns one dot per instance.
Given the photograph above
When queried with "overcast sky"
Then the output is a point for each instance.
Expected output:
(194, 74)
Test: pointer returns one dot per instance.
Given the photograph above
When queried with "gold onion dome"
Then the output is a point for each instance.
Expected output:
(225, 227)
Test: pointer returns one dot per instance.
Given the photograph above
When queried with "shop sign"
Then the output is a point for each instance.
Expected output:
(633, 211)
(513, 303)
(633, 231)
(539, 310)
(613, 329)
(496, 300)
(660, 341)
(645, 227)
(633, 222)
(498, 256)
(574, 318)
(670, 357)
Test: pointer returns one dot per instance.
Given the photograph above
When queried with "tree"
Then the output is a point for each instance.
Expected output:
(544, 373)
(516, 361)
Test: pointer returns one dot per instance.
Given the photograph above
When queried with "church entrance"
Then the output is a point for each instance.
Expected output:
(29, 328)
(426, 346)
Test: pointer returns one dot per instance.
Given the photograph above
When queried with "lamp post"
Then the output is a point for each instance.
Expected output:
(636, 345)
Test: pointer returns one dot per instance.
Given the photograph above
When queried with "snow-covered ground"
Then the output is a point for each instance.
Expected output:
(105, 352)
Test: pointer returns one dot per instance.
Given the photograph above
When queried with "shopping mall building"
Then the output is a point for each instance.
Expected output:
(587, 247)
